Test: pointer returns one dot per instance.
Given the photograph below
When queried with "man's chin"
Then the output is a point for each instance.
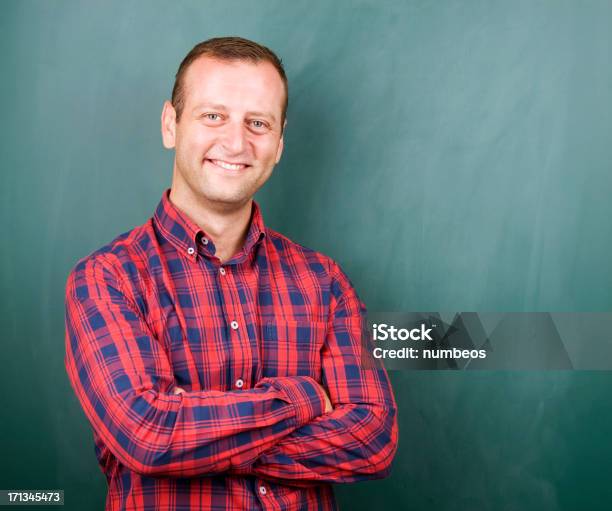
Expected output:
(225, 201)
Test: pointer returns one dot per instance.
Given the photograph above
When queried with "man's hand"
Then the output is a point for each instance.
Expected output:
(328, 405)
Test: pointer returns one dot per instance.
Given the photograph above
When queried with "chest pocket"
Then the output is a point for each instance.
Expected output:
(292, 348)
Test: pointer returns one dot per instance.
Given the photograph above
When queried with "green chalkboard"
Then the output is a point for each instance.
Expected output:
(451, 155)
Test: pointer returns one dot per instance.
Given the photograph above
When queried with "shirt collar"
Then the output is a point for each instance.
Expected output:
(185, 234)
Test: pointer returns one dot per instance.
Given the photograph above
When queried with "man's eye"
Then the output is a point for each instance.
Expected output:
(258, 124)
(212, 117)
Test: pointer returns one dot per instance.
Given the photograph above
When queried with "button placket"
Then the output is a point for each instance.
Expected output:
(229, 285)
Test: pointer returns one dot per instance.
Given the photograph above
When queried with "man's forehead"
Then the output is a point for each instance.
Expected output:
(208, 62)
(257, 80)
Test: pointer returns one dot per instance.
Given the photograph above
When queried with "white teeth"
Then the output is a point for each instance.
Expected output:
(228, 166)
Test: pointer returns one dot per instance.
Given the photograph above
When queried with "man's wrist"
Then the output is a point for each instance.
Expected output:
(305, 394)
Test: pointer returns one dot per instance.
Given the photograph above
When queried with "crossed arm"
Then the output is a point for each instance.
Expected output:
(279, 430)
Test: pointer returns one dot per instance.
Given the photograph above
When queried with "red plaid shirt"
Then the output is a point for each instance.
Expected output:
(248, 340)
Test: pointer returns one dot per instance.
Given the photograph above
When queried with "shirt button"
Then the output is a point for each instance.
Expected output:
(239, 383)
(191, 250)
(222, 270)
(234, 325)
(262, 490)
(204, 241)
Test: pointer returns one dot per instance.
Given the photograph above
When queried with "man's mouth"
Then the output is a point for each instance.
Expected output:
(227, 165)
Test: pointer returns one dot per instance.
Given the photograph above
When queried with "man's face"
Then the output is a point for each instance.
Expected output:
(229, 135)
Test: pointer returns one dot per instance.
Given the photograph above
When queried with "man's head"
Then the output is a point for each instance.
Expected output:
(227, 49)
(225, 122)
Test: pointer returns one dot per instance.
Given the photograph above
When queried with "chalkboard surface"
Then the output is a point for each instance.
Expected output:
(450, 155)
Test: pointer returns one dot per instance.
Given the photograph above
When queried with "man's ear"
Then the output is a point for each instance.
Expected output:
(281, 145)
(168, 125)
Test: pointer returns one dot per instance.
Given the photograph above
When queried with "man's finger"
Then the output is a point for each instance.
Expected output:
(328, 405)
(178, 390)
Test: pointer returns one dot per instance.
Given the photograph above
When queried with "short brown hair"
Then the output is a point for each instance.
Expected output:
(227, 48)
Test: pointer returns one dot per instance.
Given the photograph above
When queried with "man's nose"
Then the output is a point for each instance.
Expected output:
(234, 138)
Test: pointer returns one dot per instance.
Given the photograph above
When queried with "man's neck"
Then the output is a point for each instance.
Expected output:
(226, 227)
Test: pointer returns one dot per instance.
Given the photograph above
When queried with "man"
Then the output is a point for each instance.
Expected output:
(219, 363)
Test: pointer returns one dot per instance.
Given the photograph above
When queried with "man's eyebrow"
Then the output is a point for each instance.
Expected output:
(210, 105)
(263, 114)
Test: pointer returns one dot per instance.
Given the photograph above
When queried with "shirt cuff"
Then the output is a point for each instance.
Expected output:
(305, 394)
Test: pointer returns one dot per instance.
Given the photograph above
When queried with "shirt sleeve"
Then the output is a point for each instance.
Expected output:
(124, 382)
(358, 439)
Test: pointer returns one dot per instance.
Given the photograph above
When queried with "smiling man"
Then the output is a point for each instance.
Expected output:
(219, 363)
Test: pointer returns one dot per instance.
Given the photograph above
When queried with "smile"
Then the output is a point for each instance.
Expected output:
(227, 165)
